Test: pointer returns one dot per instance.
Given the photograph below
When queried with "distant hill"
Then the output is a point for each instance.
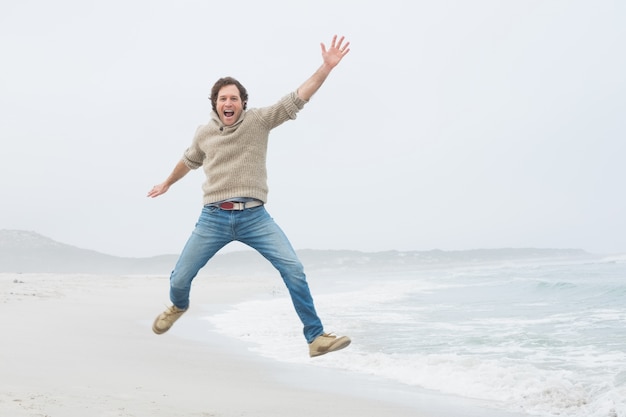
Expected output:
(30, 252)
(24, 251)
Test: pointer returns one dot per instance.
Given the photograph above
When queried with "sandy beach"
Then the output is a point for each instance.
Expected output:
(81, 345)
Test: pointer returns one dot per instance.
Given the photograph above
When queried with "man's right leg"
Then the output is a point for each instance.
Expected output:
(212, 232)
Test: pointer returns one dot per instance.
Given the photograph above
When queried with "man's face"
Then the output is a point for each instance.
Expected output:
(229, 105)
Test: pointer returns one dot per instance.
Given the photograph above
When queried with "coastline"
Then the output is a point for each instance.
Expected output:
(77, 345)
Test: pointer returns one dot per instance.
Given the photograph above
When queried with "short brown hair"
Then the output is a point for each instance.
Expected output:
(222, 82)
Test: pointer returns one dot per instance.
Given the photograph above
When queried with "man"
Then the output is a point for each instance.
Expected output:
(232, 149)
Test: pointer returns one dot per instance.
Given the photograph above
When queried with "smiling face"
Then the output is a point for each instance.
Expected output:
(229, 105)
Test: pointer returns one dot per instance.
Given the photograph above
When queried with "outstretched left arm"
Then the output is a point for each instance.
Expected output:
(331, 56)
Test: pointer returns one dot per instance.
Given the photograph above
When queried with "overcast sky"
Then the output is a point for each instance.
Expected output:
(450, 125)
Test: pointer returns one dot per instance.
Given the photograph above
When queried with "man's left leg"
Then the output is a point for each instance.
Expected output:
(259, 231)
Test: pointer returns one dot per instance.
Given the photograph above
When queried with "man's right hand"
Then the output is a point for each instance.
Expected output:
(157, 190)
(180, 170)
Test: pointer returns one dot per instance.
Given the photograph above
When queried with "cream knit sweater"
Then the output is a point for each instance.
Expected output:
(234, 157)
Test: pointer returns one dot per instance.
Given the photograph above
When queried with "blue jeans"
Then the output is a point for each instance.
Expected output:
(256, 228)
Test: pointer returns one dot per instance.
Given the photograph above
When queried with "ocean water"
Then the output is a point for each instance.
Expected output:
(542, 337)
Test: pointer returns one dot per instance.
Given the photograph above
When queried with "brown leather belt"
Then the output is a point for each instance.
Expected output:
(234, 205)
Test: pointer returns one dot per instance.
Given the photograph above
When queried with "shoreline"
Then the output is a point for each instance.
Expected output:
(81, 345)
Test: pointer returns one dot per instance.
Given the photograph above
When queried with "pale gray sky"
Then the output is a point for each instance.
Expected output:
(450, 125)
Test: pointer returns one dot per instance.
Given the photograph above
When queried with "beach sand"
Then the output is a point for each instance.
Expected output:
(82, 346)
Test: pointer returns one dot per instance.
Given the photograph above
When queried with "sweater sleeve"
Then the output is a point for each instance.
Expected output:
(193, 155)
(286, 109)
